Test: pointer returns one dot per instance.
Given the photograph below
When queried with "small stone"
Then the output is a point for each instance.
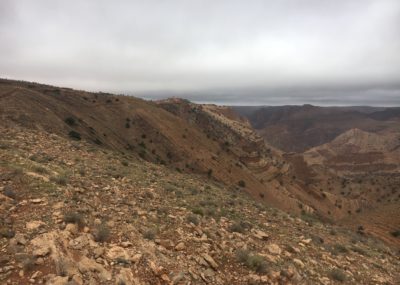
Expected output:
(168, 244)
(98, 252)
(58, 280)
(136, 258)
(298, 262)
(306, 241)
(177, 278)
(34, 225)
(180, 246)
(20, 239)
(111, 224)
(36, 274)
(117, 252)
(261, 235)
(126, 244)
(165, 278)
(72, 228)
(77, 279)
(210, 261)
(274, 249)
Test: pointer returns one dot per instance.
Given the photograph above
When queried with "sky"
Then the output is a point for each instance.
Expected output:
(234, 52)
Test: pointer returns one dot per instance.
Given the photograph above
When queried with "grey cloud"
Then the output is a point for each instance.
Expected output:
(255, 52)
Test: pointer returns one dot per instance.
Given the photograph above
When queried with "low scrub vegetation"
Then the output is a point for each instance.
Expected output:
(70, 121)
(60, 179)
(337, 249)
(239, 227)
(74, 218)
(337, 275)
(102, 233)
(396, 234)
(40, 170)
(150, 234)
(192, 219)
(75, 135)
(9, 192)
(253, 261)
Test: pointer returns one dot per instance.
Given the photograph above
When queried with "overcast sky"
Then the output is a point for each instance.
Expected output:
(338, 52)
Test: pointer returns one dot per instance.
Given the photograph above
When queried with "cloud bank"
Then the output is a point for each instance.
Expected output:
(230, 52)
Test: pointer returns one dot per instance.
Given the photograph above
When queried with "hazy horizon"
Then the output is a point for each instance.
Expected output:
(341, 53)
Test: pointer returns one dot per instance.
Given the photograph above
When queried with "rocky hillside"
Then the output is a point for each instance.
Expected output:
(299, 128)
(363, 170)
(347, 157)
(186, 137)
(113, 189)
(74, 212)
(359, 151)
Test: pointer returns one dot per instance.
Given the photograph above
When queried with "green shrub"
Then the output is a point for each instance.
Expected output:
(6, 232)
(198, 211)
(309, 218)
(28, 263)
(102, 233)
(360, 250)
(70, 121)
(74, 135)
(242, 184)
(82, 171)
(9, 192)
(150, 234)
(253, 261)
(192, 219)
(60, 179)
(237, 227)
(396, 233)
(193, 191)
(74, 218)
(337, 275)
(62, 267)
(338, 249)
(40, 170)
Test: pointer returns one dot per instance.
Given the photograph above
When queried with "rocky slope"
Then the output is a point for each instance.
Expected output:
(347, 157)
(363, 170)
(186, 137)
(359, 151)
(299, 128)
(75, 213)
(164, 186)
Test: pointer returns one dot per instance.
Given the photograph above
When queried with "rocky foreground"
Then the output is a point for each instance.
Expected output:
(75, 213)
